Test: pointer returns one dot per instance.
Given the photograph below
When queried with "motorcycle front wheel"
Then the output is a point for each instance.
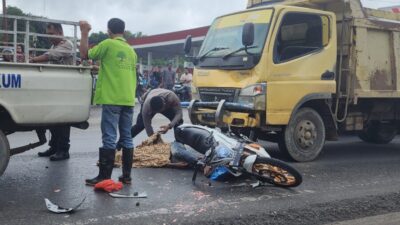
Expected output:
(276, 172)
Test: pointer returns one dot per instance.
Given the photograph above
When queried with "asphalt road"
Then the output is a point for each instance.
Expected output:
(350, 180)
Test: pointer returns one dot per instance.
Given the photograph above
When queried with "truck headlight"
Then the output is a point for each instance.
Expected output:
(254, 95)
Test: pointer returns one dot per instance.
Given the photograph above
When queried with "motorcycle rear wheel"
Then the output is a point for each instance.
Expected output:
(276, 172)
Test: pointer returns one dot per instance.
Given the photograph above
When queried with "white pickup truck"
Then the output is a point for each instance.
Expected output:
(35, 97)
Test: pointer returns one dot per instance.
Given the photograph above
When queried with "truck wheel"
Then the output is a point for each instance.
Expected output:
(377, 132)
(304, 137)
(4, 152)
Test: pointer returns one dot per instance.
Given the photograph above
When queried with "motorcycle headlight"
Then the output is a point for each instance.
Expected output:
(255, 95)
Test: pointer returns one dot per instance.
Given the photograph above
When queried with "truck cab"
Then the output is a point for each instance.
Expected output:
(285, 71)
(35, 97)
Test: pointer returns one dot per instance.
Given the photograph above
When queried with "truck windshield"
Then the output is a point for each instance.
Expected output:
(226, 33)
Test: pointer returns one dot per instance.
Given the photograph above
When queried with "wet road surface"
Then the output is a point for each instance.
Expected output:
(350, 180)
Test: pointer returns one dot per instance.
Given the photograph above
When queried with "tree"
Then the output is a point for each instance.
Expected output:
(35, 27)
(130, 35)
(96, 38)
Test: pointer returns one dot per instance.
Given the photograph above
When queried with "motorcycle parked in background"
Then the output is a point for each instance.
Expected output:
(182, 92)
(141, 88)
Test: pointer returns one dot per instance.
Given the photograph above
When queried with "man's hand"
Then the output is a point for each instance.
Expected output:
(164, 129)
(85, 26)
(84, 45)
(39, 59)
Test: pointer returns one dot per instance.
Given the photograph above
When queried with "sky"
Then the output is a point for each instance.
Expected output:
(146, 16)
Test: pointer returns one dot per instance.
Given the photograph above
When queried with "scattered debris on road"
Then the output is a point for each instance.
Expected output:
(134, 195)
(58, 209)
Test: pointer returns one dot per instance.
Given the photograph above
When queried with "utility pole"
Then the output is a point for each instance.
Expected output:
(4, 7)
(5, 36)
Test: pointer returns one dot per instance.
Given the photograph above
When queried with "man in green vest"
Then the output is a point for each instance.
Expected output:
(115, 91)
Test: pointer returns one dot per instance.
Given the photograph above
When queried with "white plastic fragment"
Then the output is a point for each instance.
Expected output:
(58, 209)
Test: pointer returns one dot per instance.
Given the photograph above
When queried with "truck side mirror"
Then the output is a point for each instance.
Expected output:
(248, 34)
(188, 45)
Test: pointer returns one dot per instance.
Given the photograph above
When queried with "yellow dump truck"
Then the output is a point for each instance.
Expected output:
(300, 72)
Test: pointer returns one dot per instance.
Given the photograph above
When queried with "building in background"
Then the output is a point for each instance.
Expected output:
(167, 47)
(395, 9)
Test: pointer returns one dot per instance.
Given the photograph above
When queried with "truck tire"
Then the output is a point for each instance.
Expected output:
(377, 132)
(4, 152)
(304, 137)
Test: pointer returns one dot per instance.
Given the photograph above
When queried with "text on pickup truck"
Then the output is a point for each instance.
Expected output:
(10, 80)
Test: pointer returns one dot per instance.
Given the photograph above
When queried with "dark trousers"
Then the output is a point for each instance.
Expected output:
(60, 138)
(139, 126)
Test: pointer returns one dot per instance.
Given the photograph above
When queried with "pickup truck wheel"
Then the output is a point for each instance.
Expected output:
(377, 132)
(4, 152)
(304, 137)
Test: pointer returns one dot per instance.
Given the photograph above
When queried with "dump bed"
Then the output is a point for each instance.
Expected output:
(368, 47)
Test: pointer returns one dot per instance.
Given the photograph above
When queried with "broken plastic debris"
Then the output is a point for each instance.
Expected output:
(58, 209)
(257, 184)
(135, 195)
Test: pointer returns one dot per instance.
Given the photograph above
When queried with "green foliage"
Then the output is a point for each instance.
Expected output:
(35, 27)
(11, 10)
(40, 27)
(129, 35)
(96, 38)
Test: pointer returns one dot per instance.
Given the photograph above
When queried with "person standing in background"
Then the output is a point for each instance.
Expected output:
(168, 78)
(186, 80)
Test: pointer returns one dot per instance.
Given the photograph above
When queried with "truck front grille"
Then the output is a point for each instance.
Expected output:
(218, 94)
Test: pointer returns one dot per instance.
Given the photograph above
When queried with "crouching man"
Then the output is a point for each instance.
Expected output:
(115, 91)
(161, 101)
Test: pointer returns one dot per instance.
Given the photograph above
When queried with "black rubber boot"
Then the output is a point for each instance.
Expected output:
(106, 165)
(127, 160)
(61, 154)
(51, 151)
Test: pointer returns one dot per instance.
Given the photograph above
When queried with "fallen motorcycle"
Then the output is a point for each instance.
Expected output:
(238, 155)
